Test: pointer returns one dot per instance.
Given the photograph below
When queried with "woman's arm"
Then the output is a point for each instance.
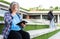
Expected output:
(6, 29)
(8, 18)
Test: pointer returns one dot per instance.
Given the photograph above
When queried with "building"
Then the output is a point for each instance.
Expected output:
(43, 15)
(32, 16)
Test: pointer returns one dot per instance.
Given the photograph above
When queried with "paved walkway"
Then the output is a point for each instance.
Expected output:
(56, 36)
(35, 33)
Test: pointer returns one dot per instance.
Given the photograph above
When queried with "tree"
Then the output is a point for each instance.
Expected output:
(56, 7)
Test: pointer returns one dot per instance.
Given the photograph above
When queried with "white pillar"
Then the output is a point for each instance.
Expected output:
(58, 18)
(41, 16)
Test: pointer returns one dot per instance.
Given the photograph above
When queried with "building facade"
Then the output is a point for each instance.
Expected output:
(32, 15)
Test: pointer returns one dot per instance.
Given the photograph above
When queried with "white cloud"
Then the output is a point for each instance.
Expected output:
(34, 3)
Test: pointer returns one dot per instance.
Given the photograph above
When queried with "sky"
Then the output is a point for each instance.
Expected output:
(34, 3)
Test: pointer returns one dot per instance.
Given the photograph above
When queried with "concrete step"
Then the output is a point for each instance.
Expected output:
(35, 33)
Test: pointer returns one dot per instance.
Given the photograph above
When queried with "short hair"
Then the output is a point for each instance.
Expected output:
(12, 5)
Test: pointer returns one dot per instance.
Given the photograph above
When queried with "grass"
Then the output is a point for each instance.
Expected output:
(28, 27)
(4, 2)
(1, 28)
(1, 18)
(34, 27)
(46, 36)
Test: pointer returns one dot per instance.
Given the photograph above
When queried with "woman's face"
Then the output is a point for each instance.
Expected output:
(14, 8)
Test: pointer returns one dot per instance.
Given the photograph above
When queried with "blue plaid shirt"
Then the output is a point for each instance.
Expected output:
(8, 20)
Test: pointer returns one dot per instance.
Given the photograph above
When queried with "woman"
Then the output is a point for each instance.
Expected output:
(51, 18)
(11, 18)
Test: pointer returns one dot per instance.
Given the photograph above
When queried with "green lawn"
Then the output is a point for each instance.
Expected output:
(1, 18)
(34, 27)
(46, 36)
(29, 27)
(1, 27)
